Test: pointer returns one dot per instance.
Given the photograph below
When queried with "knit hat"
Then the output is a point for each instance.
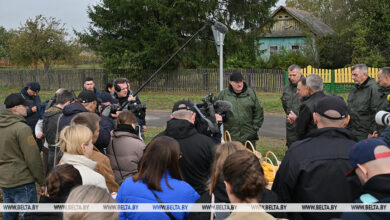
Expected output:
(34, 86)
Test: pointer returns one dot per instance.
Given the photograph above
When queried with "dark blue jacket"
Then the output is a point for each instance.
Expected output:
(375, 190)
(138, 192)
(32, 117)
(106, 126)
(69, 112)
(385, 135)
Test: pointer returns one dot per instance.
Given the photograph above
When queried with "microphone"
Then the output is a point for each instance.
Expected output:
(220, 27)
(222, 106)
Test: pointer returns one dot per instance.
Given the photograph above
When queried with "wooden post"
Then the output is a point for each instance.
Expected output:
(332, 83)
(286, 78)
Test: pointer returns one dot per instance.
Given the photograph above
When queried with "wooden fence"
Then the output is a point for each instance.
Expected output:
(177, 80)
(336, 80)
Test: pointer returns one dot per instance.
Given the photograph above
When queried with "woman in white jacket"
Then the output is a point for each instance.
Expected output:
(76, 143)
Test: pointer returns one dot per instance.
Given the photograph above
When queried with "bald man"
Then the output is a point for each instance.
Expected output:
(370, 159)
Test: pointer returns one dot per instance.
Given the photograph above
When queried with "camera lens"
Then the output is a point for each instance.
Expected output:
(382, 118)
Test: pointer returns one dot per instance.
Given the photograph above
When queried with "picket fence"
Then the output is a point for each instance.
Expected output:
(336, 80)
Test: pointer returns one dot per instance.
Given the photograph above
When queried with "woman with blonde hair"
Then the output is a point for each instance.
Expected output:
(90, 194)
(76, 144)
(126, 148)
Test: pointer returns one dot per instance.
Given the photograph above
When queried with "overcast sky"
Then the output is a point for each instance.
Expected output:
(73, 13)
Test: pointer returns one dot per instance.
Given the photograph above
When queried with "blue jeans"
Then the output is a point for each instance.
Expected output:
(20, 194)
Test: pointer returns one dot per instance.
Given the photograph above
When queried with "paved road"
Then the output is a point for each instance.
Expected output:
(273, 126)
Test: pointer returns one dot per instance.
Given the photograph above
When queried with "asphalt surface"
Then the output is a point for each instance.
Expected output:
(273, 126)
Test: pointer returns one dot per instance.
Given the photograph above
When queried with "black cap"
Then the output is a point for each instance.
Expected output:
(15, 99)
(332, 102)
(106, 97)
(34, 86)
(183, 105)
(87, 96)
(236, 76)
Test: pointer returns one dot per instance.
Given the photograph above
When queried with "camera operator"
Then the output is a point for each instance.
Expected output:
(107, 107)
(125, 98)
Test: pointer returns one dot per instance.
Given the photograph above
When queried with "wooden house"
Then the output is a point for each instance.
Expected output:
(290, 29)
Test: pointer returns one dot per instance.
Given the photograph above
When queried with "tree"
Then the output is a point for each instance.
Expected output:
(4, 38)
(371, 28)
(143, 34)
(335, 13)
(41, 40)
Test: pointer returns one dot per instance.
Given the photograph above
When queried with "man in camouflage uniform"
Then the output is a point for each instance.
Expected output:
(291, 101)
(363, 102)
(246, 116)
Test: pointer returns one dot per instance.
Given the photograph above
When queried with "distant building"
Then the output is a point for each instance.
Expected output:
(290, 29)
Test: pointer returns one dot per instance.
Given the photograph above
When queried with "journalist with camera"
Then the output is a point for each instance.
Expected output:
(128, 102)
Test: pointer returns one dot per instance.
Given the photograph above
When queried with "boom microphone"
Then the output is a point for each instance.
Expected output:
(222, 106)
(220, 27)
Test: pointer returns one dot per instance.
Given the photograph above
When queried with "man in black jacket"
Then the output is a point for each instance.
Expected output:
(304, 122)
(197, 149)
(30, 92)
(313, 169)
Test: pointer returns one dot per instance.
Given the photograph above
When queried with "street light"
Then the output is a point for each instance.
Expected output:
(219, 31)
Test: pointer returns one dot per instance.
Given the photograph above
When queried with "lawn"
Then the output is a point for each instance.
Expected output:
(165, 100)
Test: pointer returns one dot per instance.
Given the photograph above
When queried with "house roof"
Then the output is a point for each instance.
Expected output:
(314, 24)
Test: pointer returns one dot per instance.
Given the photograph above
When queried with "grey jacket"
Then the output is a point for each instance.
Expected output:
(125, 152)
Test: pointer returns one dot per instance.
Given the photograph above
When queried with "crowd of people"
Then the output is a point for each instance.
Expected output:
(93, 146)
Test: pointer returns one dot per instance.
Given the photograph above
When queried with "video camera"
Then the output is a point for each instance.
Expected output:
(139, 110)
(205, 121)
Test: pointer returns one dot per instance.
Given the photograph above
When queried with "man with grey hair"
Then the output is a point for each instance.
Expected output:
(291, 101)
(363, 102)
(304, 121)
(197, 150)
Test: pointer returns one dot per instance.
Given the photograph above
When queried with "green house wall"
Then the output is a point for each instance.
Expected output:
(286, 42)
